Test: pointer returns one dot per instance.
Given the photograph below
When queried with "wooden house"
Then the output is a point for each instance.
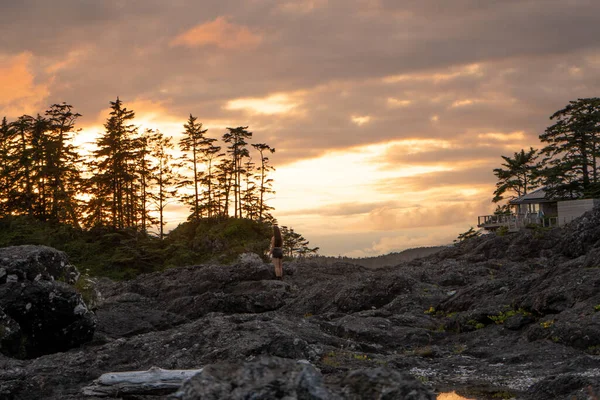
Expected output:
(537, 208)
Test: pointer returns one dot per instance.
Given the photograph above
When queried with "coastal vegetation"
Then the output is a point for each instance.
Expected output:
(105, 204)
(568, 165)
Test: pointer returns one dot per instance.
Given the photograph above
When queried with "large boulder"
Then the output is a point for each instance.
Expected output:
(281, 378)
(32, 263)
(10, 334)
(39, 312)
(384, 383)
(266, 378)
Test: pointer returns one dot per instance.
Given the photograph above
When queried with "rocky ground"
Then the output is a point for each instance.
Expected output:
(516, 316)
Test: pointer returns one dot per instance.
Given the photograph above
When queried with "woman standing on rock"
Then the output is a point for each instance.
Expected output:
(276, 252)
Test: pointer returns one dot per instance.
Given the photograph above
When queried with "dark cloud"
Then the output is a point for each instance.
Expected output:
(336, 41)
(356, 72)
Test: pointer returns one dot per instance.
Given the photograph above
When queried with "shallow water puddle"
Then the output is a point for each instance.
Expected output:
(451, 396)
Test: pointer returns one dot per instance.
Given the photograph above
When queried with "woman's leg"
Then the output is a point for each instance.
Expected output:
(279, 268)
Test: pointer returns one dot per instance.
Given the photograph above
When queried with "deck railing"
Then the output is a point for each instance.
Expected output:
(515, 221)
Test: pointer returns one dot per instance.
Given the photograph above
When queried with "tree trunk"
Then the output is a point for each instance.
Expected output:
(155, 381)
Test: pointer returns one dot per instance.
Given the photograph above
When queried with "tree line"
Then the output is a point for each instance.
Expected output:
(130, 176)
(567, 166)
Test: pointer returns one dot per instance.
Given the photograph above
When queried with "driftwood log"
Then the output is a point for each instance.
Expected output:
(155, 381)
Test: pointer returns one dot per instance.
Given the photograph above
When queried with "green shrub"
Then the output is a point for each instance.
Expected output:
(502, 231)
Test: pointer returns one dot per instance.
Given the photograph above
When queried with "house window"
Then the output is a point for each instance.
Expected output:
(533, 208)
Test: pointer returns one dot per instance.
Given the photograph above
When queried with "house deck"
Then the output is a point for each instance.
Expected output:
(514, 222)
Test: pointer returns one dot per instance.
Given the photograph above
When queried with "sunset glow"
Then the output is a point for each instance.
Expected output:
(388, 118)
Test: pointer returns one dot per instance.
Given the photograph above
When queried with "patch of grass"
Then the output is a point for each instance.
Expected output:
(597, 308)
(502, 231)
(503, 395)
(475, 324)
(593, 350)
(459, 348)
(547, 324)
(425, 352)
(484, 394)
(504, 315)
(430, 311)
(334, 359)
(330, 359)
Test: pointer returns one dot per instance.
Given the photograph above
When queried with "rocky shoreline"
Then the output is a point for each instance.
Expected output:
(516, 316)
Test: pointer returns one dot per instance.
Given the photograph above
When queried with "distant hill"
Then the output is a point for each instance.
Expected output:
(386, 260)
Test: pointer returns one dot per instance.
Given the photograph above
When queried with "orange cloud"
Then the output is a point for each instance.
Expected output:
(18, 92)
(361, 119)
(430, 215)
(470, 70)
(279, 103)
(72, 59)
(220, 33)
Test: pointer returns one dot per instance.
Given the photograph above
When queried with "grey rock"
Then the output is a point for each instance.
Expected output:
(42, 315)
(29, 263)
(522, 321)
(268, 378)
(383, 383)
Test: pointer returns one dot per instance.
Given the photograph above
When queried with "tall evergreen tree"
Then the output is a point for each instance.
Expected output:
(250, 198)
(22, 196)
(573, 148)
(165, 177)
(265, 183)
(191, 144)
(42, 168)
(113, 167)
(210, 153)
(224, 178)
(7, 148)
(147, 170)
(238, 150)
(519, 175)
(63, 164)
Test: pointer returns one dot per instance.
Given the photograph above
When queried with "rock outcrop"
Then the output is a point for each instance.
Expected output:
(516, 316)
(39, 312)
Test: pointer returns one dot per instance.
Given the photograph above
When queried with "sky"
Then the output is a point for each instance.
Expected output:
(387, 116)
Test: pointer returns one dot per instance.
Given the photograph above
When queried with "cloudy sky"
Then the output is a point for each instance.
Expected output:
(387, 116)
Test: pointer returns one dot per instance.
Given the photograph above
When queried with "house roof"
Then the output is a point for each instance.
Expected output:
(535, 197)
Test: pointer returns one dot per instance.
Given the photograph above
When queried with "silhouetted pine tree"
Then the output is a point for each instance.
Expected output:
(519, 177)
(146, 174)
(21, 200)
(7, 166)
(237, 149)
(249, 193)
(573, 148)
(191, 145)
(62, 167)
(225, 178)
(114, 192)
(210, 153)
(165, 178)
(265, 183)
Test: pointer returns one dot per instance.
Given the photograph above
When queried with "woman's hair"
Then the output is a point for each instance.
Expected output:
(278, 242)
